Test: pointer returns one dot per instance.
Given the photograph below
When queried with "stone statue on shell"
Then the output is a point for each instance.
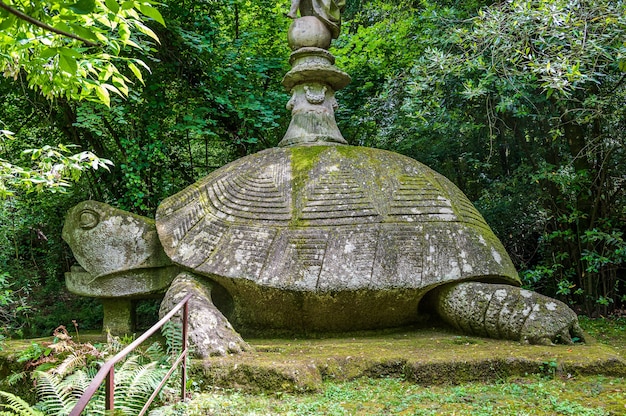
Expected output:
(327, 11)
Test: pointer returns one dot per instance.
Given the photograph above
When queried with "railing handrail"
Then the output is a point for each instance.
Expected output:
(109, 365)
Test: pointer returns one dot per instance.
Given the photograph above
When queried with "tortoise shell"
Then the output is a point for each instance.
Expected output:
(330, 219)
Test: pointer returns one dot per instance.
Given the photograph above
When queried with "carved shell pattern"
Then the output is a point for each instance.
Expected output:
(354, 218)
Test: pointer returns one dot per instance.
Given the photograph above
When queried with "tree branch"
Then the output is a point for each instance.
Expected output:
(43, 25)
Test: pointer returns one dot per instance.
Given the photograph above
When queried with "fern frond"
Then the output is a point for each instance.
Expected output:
(55, 398)
(136, 386)
(113, 345)
(15, 378)
(75, 384)
(130, 363)
(145, 380)
(96, 407)
(172, 332)
(125, 374)
(136, 378)
(71, 362)
(96, 404)
(155, 352)
(17, 406)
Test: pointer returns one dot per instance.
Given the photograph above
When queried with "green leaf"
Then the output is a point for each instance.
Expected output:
(7, 22)
(136, 71)
(103, 95)
(113, 88)
(142, 63)
(120, 84)
(146, 30)
(83, 6)
(63, 26)
(68, 17)
(112, 5)
(106, 74)
(115, 47)
(151, 12)
(68, 64)
(49, 53)
(84, 32)
(69, 52)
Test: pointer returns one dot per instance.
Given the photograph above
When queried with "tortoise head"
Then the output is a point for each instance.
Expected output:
(107, 240)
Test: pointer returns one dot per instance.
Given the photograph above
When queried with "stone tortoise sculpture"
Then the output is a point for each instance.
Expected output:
(324, 238)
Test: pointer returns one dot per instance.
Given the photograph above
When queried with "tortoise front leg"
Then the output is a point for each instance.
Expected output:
(209, 331)
(507, 312)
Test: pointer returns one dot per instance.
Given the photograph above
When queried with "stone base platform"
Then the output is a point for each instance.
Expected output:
(424, 356)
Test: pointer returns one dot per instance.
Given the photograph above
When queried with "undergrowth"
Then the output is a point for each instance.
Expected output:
(63, 369)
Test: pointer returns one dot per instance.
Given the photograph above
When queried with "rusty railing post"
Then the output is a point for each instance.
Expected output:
(109, 390)
(183, 375)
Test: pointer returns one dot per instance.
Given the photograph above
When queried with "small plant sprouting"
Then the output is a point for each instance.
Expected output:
(34, 354)
(549, 368)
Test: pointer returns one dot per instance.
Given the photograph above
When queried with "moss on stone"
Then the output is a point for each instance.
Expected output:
(426, 357)
(118, 316)
(303, 159)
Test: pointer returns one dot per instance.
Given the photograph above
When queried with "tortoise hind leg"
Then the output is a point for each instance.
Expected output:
(209, 331)
(507, 312)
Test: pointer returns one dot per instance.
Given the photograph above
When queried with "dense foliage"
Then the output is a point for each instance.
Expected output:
(205, 103)
(520, 103)
(68, 52)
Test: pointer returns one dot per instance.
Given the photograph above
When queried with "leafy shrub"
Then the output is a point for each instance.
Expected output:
(64, 369)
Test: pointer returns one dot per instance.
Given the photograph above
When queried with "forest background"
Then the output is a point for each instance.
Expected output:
(521, 103)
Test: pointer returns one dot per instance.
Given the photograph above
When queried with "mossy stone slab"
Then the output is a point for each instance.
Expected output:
(425, 356)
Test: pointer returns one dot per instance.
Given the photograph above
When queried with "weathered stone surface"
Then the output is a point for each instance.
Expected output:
(134, 284)
(209, 331)
(313, 65)
(118, 316)
(107, 240)
(425, 356)
(316, 235)
(327, 12)
(312, 82)
(308, 31)
(120, 258)
(329, 237)
(330, 218)
(318, 238)
(506, 312)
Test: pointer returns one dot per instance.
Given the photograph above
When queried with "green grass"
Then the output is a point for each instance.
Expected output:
(607, 331)
(365, 396)
(532, 395)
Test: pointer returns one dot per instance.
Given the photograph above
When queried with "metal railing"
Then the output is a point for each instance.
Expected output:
(107, 371)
